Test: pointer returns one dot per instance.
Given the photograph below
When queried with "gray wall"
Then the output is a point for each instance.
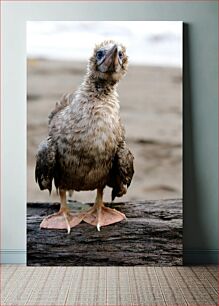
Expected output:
(200, 112)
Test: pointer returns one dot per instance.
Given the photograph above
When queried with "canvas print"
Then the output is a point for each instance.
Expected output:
(104, 147)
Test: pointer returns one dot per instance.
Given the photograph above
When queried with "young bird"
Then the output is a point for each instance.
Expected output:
(85, 148)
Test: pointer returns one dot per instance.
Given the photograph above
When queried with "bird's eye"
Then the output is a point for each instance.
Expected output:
(120, 54)
(99, 55)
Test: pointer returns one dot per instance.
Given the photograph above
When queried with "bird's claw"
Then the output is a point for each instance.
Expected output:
(67, 223)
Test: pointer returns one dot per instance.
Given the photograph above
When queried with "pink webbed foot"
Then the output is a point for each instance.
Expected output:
(99, 215)
(63, 219)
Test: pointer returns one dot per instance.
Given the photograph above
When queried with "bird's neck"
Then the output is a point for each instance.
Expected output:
(98, 87)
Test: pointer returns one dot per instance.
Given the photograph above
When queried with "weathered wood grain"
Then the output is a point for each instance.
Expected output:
(151, 235)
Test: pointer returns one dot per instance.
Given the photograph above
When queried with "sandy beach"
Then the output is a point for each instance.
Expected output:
(151, 111)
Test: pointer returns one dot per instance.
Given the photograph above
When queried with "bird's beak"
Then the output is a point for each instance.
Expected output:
(111, 62)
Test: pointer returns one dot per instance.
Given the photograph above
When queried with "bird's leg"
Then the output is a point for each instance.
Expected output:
(99, 215)
(70, 195)
(63, 219)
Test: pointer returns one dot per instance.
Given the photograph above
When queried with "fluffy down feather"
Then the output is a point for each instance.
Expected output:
(86, 148)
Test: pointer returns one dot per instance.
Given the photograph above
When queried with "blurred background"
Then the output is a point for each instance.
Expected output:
(150, 96)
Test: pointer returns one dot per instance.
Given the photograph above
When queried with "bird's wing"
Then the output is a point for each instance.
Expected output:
(124, 159)
(45, 164)
(125, 166)
(122, 170)
(65, 100)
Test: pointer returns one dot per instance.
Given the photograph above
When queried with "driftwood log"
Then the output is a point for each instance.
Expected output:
(151, 235)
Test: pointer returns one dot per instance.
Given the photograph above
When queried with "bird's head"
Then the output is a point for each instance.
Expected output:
(109, 61)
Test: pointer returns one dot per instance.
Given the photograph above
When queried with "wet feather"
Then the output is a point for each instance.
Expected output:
(86, 147)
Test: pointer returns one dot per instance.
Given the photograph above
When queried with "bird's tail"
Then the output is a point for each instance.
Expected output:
(45, 164)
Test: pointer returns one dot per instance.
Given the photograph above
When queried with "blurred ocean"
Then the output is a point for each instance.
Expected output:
(155, 43)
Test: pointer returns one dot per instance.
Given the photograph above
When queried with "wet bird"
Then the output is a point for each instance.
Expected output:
(86, 148)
